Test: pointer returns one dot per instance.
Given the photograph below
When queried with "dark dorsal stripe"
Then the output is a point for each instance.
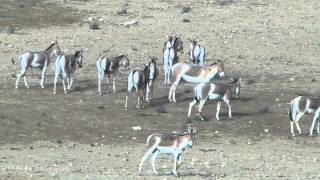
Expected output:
(50, 46)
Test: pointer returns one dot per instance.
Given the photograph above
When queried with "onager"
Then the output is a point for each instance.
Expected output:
(142, 80)
(173, 144)
(65, 67)
(197, 53)
(304, 104)
(39, 60)
(193, 74)
(170, 55)
(108, 66)
(215, 91)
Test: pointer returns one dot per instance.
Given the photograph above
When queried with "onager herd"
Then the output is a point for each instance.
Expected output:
(142, 82)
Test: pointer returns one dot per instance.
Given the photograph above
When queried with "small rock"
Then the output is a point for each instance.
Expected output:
(184, 9)
(249, 142)
(11, 46)
(313, 80)
(134, 138)
(216, 132)
(266, 130)
(136, 128)
(186, 20)
(129, 23)
(277, 99)
(292, 79)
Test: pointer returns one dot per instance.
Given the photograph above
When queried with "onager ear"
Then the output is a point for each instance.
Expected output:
(239, 80)
(189, 129)
(194, 130)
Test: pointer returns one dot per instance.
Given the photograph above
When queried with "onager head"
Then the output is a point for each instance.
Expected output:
(191, 135)
(220, 68)
(79, 58)
(125, 61)
(178, 44)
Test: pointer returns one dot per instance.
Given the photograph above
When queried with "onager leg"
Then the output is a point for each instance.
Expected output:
(218, 110)
(64, 84)
(100, 79)
(114, 83)
(71, 81)
(25, 78)
(108, 78)
(191, 104)
(202, 102)
(144, 158)
(179, 161)
(315, 118)
(43, 75)
(227, 101)
(174, 170)
(298, 117)
(57, 73)
(153, 160)
(21, 73)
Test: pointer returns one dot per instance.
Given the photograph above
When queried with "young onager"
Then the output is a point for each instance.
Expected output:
(173, 144)
(65, 67)
(215, 91)
(193, 74)
(142, 80)
(108, 66)
(39, 60)
(304, 104)
(197, 53)
(170, 55)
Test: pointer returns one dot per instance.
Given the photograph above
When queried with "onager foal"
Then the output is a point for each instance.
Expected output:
(170, 55)
(215, 91)
(304, 104)
(108, 66)
(39, 60)
(193, 74)
(197, 53)
(173, 144)
(65, 67)
(142, 80)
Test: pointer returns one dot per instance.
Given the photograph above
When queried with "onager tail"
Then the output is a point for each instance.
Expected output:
(291, 111)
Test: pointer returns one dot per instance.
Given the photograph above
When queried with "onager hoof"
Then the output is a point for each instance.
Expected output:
(16, 87)
(28, 87)
(217, 118)
(310, 134)
(43, 87)
(114, 91)
(54, 92)
(174, 173)
(293, 135)
(66, 92)
(230, 117)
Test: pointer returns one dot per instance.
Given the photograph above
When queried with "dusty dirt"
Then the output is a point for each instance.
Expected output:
(272, 45)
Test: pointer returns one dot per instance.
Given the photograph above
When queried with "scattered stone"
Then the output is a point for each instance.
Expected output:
(161, 109)
(184, 9)
(264, 109)
(266, 130)
(277, 99)
(292, 79)
(129, 23)
(133, 48)
(216, 132)
(94, 25)
(122, 11)
(11, 30)
(313, 80)
(186, 20)
(251, 81)
(59, 141)
(136, 128)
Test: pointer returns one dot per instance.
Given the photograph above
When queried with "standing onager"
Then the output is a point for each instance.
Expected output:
(215, 91)
(193, 74)
(39, 59)
(173, 144)
(304, 104)
(65, 67)
(197, 53)
(142, 80)
(108, 66)
(170, 55)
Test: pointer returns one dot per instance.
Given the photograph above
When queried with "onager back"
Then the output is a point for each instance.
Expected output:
(173, 144)
(215, 91)
(110, 65)
(65, 67)
(304, 104)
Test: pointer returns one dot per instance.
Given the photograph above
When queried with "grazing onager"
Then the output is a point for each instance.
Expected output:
(65, 67)
(39, 60)
(197, 53)
(304, 104)
(215, 91)
(142, 80)
(173, 144)
(108, 66)
(193, 74)
(170, 55)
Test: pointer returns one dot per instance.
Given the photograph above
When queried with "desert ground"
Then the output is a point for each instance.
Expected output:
(272, 45)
